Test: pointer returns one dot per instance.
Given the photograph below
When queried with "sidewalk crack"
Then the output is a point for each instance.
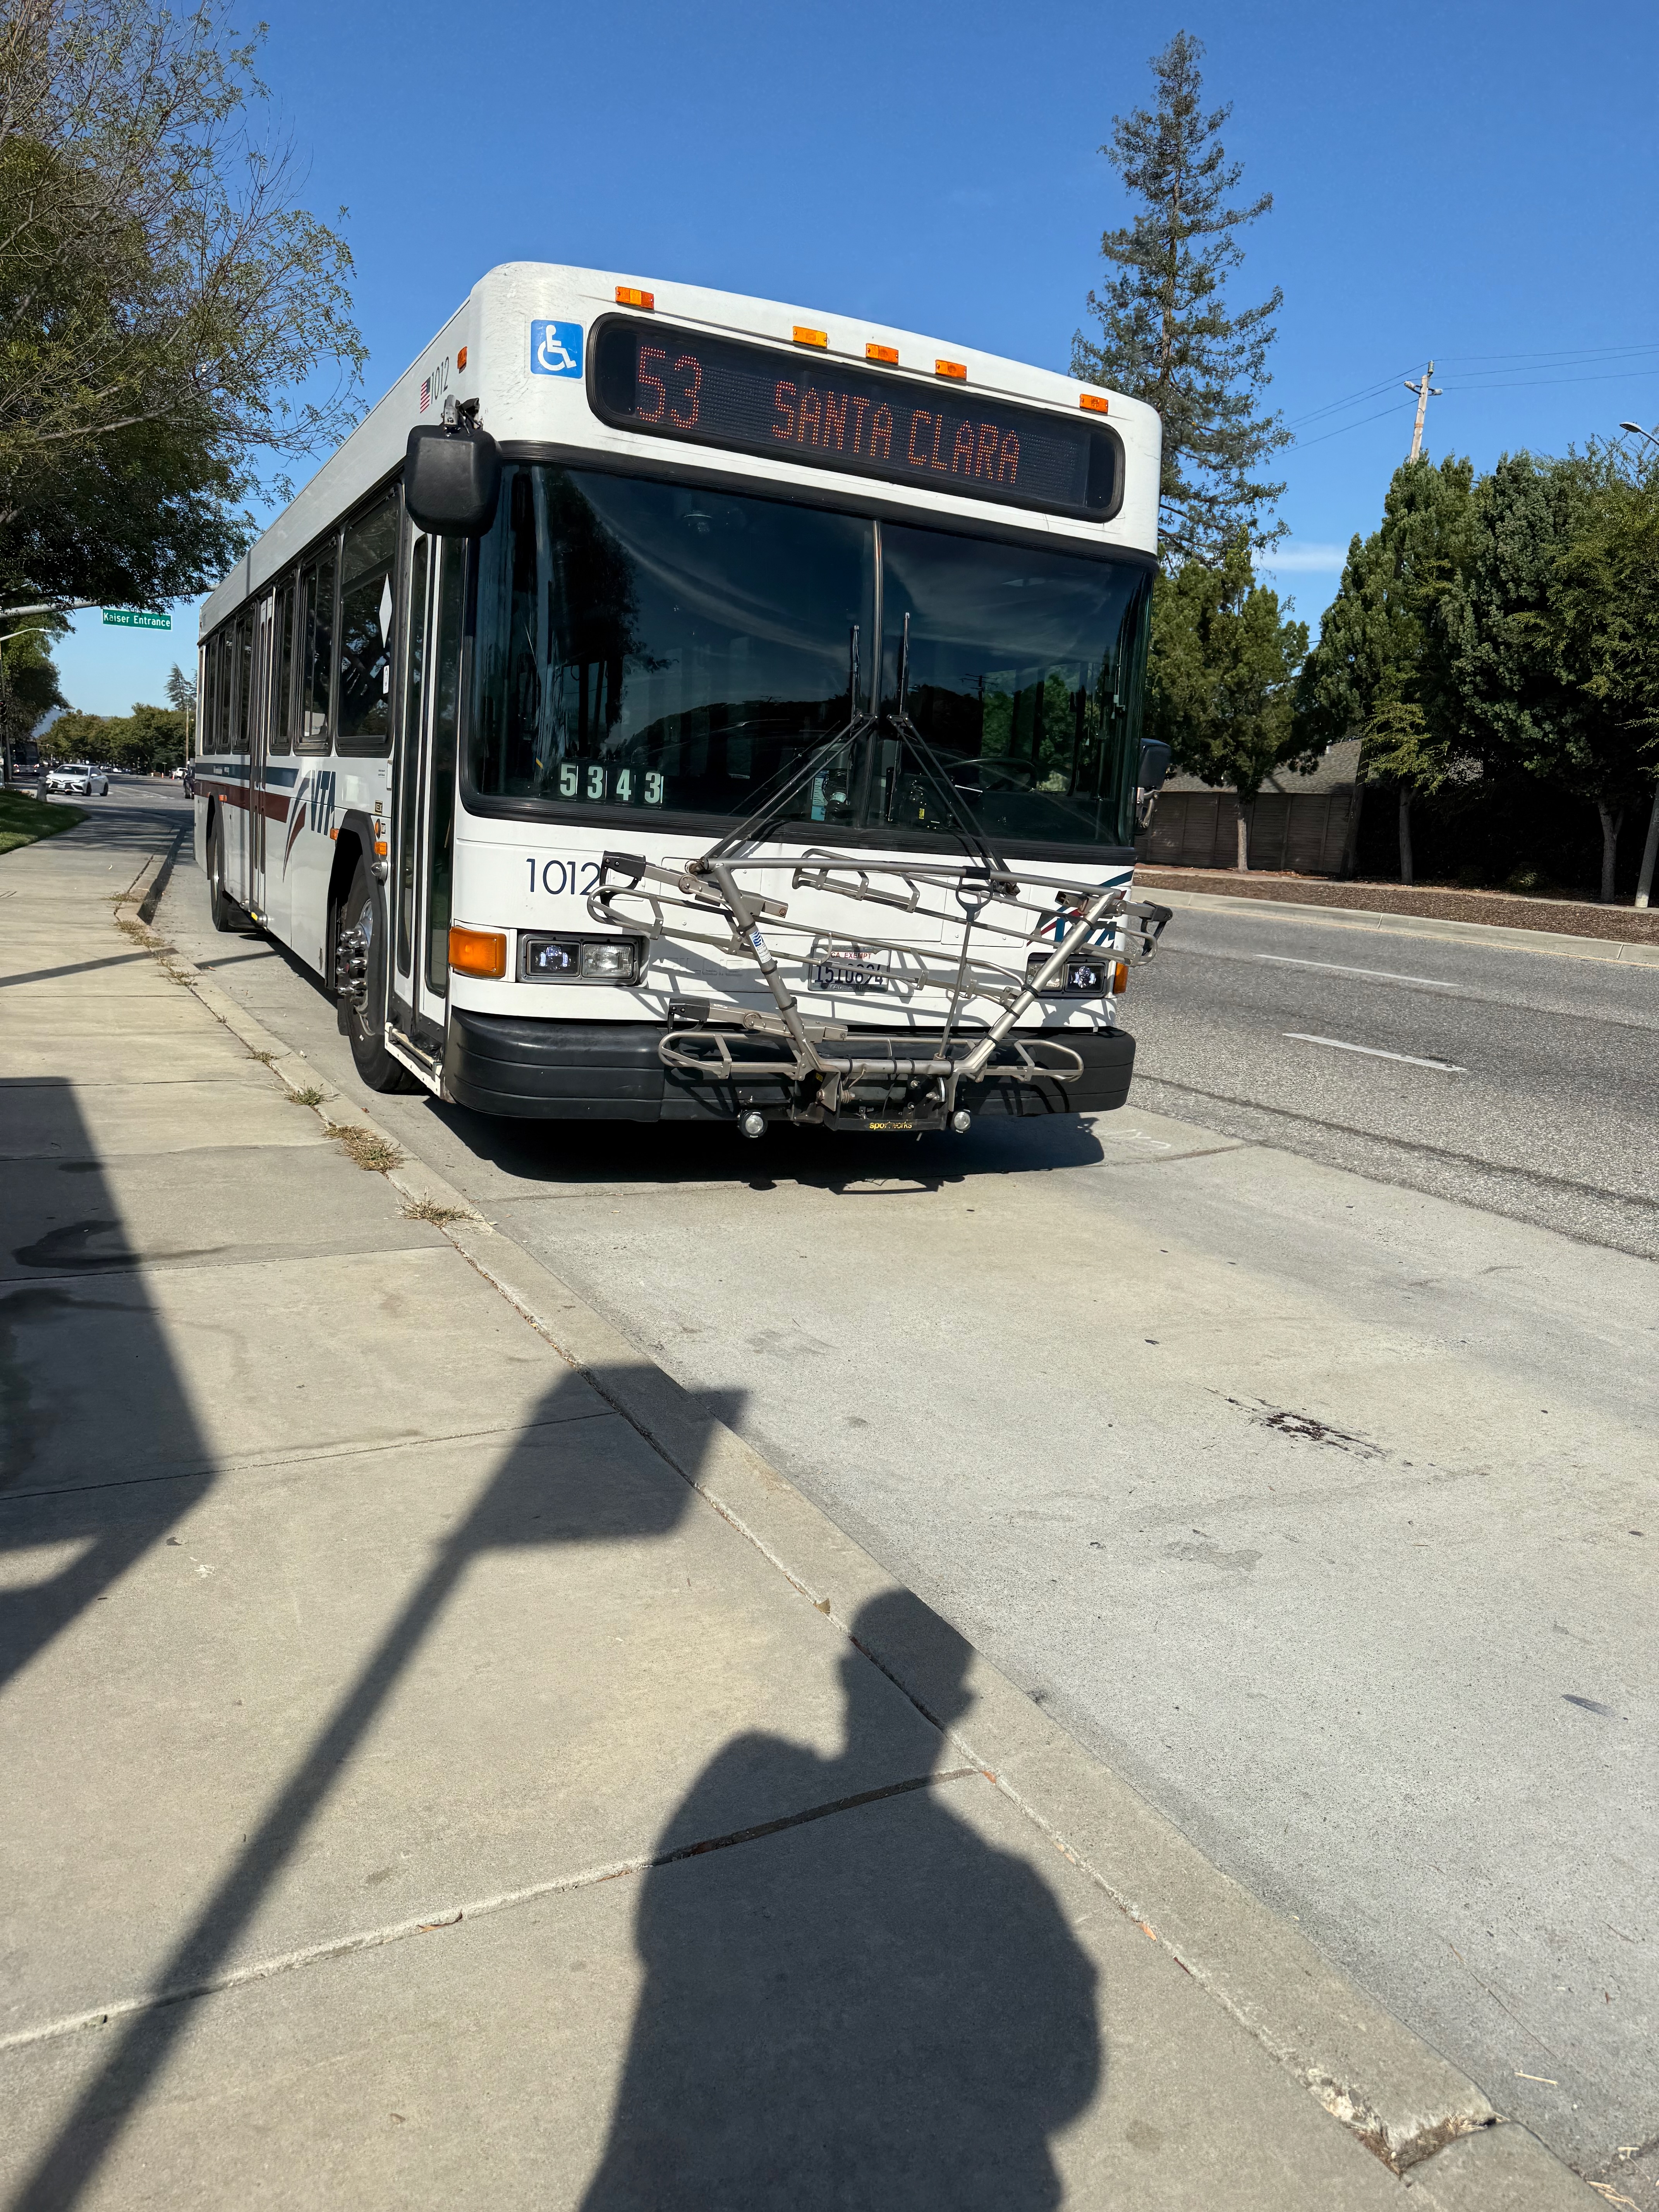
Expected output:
(432, 1920)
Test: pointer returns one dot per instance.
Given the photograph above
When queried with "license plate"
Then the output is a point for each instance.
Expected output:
(849, 968)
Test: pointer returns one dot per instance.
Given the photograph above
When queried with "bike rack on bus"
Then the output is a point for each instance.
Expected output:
(830, 1069)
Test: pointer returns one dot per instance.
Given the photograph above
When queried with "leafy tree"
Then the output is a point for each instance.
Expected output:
(73, 736)
(1167, 334)
(1607, 633)
(1532, 686)
(165, 301)
(148, 739)
(28, 681)
(1221, 678)
(1379, 670)
(181, 696)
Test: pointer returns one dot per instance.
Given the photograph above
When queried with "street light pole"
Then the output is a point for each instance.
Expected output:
(1651, 849)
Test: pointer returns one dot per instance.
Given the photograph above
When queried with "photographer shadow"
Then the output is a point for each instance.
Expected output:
(871, 2004)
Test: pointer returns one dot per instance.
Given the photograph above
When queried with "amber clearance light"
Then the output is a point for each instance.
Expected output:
(630, 295)
(1093, 401)
(480, 952)
(887, 353)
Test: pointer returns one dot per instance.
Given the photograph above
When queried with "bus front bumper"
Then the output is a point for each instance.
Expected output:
(564, 1071)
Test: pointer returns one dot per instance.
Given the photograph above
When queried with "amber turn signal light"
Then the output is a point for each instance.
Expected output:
(460, 358)
(1120, 977)
(629, 296)
(480, 952)
(1092, 401)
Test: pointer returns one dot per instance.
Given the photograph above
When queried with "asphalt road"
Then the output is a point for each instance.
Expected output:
(1323, 1504)
(1540, 1100)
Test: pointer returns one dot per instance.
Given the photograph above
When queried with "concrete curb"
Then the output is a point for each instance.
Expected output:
(1412, 2107)
(157, 877)
(1560, 944)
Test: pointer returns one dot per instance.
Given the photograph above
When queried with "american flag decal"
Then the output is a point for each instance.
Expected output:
(426, 393)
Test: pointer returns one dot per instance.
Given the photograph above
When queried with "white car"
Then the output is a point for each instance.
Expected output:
(80, 777)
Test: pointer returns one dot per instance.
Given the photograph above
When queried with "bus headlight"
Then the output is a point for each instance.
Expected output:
(579, 960)
(610, 964)
(1086, 976)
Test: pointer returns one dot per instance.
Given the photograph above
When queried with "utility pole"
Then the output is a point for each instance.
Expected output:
(1424, 392)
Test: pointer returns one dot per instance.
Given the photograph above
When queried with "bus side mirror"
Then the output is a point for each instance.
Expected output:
(1154, 766)
(1149, 781)
(452, 480)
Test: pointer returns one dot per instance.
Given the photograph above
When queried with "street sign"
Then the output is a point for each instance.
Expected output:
(136, 618)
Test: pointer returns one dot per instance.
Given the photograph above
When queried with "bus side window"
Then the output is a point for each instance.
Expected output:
(244, 680)
(222, 660)
(363, 694)
(206, 730)
(282, 717)
(316, 612)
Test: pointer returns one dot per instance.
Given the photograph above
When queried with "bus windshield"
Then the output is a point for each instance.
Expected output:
(655, 646)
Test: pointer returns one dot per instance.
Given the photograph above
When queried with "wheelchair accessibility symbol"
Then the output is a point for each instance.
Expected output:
(556, 349)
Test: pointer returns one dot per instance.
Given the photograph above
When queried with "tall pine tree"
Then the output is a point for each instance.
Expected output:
(1167, 335)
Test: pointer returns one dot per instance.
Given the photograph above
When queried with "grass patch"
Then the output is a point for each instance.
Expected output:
(25, 821)
(427, 1209)
(311, 1096)
(367, 1147)
(264, 1058)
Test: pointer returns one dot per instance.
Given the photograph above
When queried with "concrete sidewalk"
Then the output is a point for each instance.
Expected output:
(442, 1767)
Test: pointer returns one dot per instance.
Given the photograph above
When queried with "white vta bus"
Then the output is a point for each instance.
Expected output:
(668, 705)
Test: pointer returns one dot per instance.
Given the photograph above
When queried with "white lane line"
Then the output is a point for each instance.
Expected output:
(1334, 967)
(1374, 1052)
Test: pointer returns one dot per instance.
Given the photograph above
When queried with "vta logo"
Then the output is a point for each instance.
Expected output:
(556, 349)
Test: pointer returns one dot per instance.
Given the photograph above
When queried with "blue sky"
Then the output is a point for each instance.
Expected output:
(1470, 182)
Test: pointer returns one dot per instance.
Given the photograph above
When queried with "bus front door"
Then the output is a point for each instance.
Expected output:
(423, 826)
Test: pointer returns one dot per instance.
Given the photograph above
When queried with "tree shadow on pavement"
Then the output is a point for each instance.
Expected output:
(99, 1452)
(867, 2005)
(535, 1498)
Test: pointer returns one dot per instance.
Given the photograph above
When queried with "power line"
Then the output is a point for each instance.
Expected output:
(1397, 408)
(1335, 406)
(1561, 358)
(1534, 383)
(1557, 354)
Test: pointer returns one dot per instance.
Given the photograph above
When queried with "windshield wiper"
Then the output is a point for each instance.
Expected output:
(996, 869)
(789, 781)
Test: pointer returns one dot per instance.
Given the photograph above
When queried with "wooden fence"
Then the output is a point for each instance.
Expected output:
(1303, 831)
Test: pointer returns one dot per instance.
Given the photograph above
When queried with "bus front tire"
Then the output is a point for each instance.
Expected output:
(364, 913)
(225, 914)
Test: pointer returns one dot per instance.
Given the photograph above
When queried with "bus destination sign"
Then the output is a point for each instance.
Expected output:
(719, 391)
